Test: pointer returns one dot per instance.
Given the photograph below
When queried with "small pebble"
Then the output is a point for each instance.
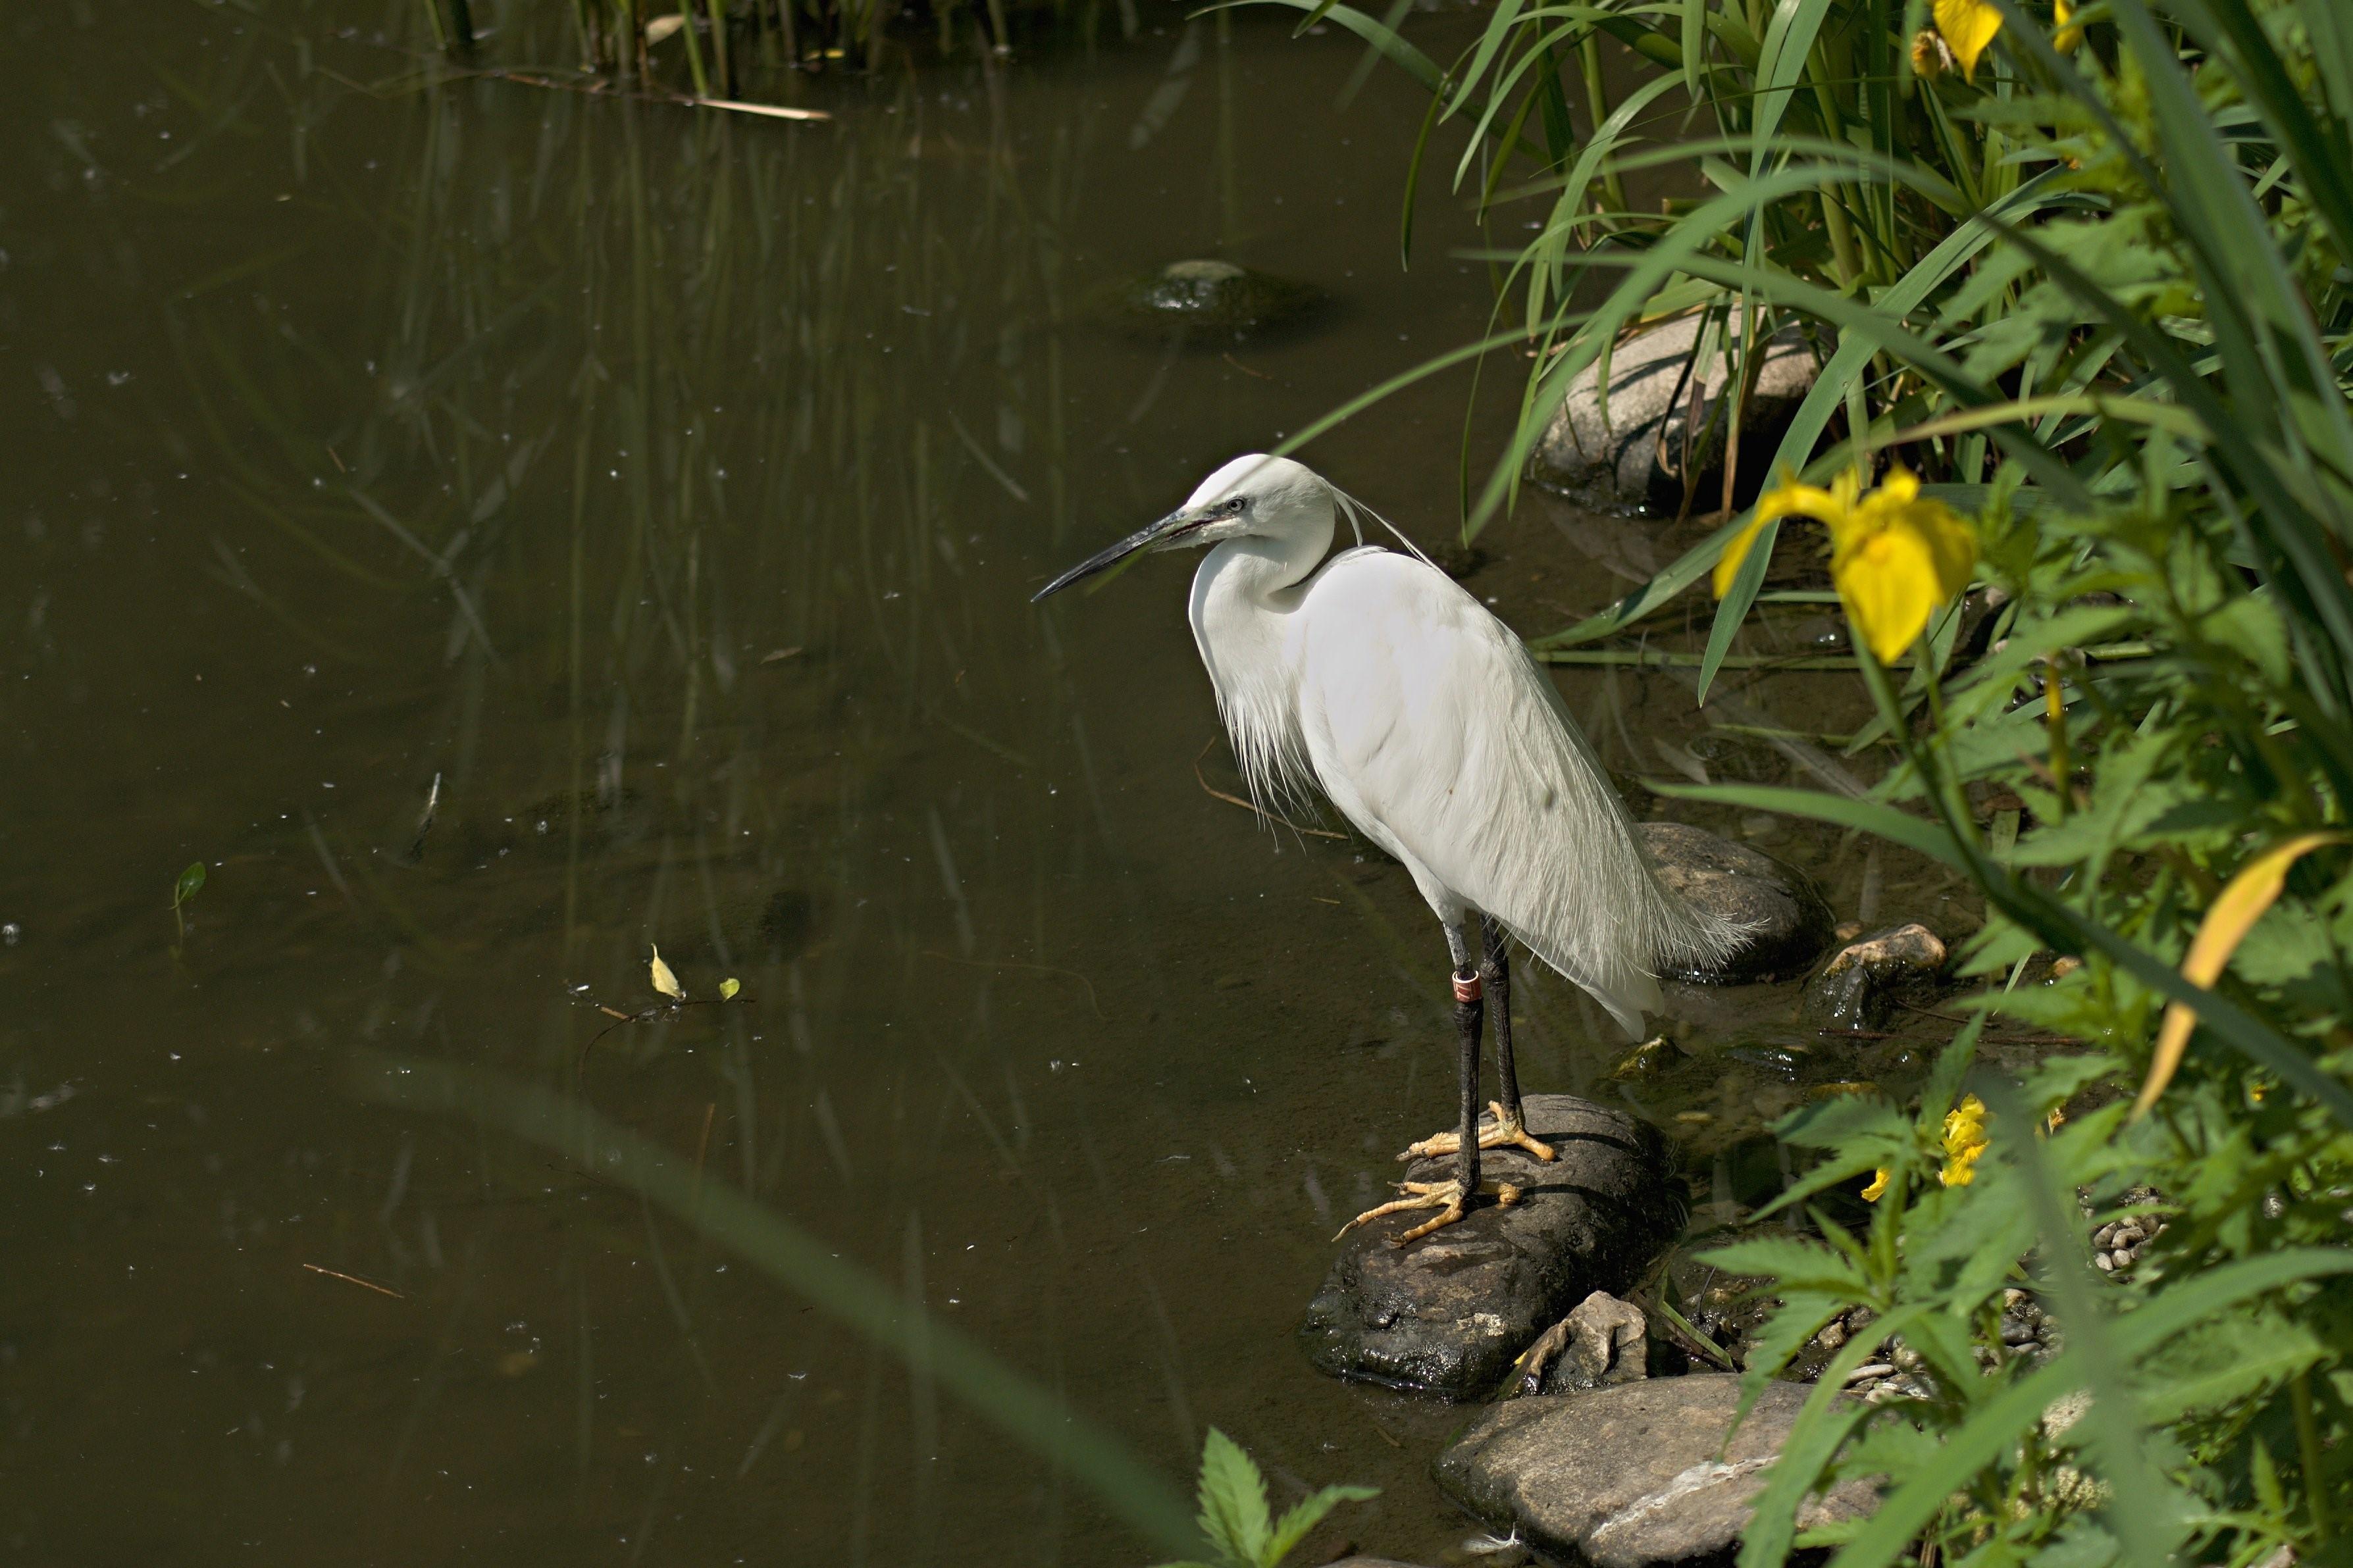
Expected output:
(2107, 1264)
(1833, 1335)
(1875, 1369)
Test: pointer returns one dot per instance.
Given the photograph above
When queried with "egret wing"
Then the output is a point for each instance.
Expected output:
(1432, 728)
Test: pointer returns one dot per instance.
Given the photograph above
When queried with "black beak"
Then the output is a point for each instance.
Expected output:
(1168, 528)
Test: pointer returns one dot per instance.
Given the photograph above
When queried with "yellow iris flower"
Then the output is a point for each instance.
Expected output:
(1896, 557)
(1965, 1142)
(2067, 37)
(1970, 26)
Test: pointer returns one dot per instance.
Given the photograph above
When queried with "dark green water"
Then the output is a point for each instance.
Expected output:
(669, 488)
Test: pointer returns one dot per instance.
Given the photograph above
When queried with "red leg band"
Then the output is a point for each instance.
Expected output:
(1467, 988)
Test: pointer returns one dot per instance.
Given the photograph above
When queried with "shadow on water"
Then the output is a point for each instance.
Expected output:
(496, 531)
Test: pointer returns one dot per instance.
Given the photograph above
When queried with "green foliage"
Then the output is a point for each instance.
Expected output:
(1241, 1531)
(2102, 300)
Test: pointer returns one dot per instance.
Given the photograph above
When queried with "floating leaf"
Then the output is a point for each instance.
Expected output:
(728, 987)
(191, 883)
(2240, 905)
(664, 980)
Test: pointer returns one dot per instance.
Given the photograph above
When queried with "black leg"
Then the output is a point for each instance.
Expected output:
(1496, 975)
(1470, 1014)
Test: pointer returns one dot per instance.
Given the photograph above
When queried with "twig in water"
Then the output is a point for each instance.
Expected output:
(424, 823)
(356, 1279)
(1216, 793)
(1246, 370)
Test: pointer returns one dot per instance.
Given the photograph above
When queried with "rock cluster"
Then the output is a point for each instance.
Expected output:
(2117, 1246)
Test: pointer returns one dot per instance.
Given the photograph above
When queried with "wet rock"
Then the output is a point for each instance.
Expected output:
(1635, 1475)
(1603, 1341)
(1859, 987)
(1448, 1314)
(1627, 453)
(1789, 923)
(1201, 301)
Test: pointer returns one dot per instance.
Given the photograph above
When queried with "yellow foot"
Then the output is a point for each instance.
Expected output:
(1444, 1197)
(1495, 1134)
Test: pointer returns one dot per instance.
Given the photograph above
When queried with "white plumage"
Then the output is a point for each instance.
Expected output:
(1427, 724)
(1381, 682)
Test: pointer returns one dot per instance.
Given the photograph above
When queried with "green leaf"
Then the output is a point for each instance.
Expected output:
(729, 987)
(1233, 1500)
(1896, 827)
(191, 883)
(1293, 1526)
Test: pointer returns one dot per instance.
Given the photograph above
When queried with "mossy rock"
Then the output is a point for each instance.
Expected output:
(1208, 301)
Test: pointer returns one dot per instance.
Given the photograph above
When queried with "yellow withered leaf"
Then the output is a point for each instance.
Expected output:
(2239, 905)
(664, 980)
(661, 27)
(728, 987)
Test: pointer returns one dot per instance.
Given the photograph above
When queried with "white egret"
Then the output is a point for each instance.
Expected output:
(1427, 724)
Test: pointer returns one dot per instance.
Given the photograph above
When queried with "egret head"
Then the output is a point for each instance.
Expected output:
(1256, 496)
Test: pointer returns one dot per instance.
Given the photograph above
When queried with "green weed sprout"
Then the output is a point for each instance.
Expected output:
(1240, 1529)
(191, 882)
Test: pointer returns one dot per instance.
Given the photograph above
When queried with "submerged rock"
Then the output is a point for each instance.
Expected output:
(1859, 987)
(1789, 922)
(1202, 299)
(1632, 1475)
(1447, 1315)
(1627, 453)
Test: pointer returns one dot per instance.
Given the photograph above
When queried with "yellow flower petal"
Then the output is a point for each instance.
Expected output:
(2240, 905)
(1789, 499)
(1897, 558)
(1878, 1188)
(1969, 25)
(2067, 37)
(1965, 1140)
(1727, 566)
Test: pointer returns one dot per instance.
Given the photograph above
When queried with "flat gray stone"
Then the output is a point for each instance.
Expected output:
(1448, 1314)
(1626, 453)
(1632, 1475)
(1860, 987)
(1789, 921)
